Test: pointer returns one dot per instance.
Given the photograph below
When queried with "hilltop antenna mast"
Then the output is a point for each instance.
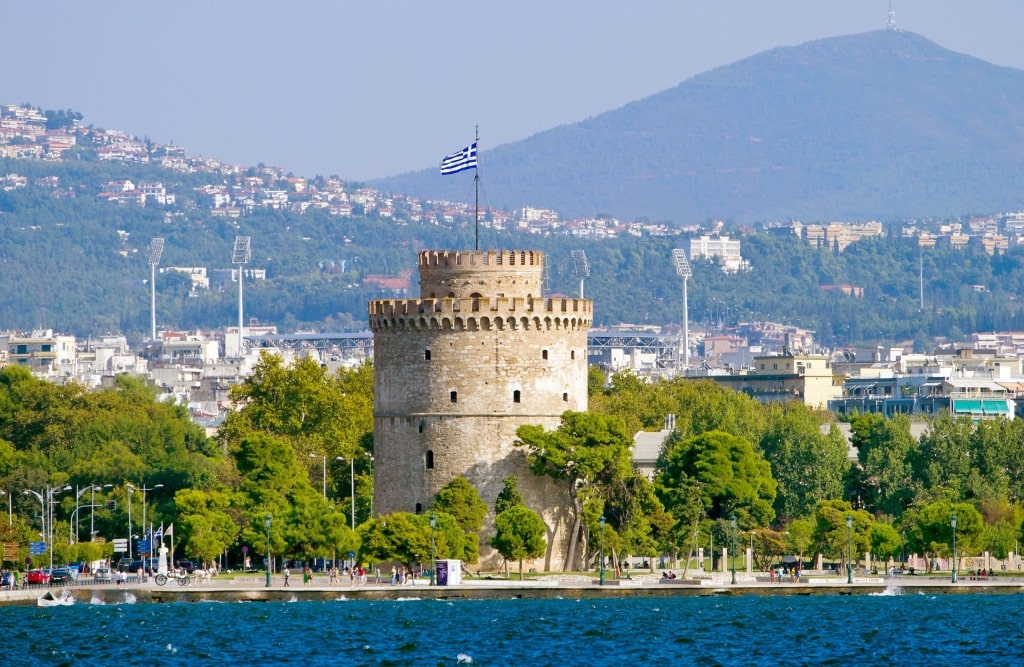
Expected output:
(580, 267)
(156, 248)
(240, 256)
(684, 271)
(891, 23)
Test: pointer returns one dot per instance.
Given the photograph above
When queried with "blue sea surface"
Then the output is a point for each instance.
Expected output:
(860, 630)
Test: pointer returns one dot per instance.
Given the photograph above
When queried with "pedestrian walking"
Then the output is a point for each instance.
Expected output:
(286, 575)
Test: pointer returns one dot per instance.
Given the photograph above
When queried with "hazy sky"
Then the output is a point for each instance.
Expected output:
(380, 87)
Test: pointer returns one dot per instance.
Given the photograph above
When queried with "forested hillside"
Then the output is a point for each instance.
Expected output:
(79, 265)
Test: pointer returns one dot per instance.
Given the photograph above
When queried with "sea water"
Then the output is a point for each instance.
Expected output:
(860, 630)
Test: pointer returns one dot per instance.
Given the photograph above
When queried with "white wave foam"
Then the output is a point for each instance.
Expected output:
(890, 590)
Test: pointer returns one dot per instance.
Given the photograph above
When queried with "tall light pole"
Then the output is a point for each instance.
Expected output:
(156, 248)
(601, 521)
(952, 522)
(433, 548)
(684, 271)
(241, 254)
(324, 457)
(580, 267)
(266, 522)
(849, 548)
(732, 535)
(352, 485)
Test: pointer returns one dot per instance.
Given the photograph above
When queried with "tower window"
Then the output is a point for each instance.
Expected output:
(429, 459)
(572, 355)
(454, 396)
(419, 508)
(516, 396)
(422, 425)
(565, 397)
(544, 354)
(426, 355)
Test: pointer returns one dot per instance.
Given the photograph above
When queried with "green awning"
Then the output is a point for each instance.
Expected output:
(982, 407)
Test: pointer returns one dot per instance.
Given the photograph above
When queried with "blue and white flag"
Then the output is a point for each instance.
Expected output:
(159, 534)
(459, 161)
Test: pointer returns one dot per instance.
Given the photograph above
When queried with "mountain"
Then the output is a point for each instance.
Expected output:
(883, 124)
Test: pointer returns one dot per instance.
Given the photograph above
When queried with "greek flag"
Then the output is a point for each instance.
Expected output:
(459, 161)
(159, 534)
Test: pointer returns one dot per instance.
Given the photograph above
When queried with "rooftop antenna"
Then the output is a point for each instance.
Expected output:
(684, 271)
(891, 23)
(240, 256)
(156, 248)
(580, 267)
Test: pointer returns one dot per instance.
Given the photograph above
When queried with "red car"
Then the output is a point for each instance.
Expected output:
(37, 577)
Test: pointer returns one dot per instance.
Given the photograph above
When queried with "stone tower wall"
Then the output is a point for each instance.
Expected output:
(456, 376)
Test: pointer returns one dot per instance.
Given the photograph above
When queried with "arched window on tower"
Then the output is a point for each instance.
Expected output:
(565, 397)
(516, 396)
(429, 459)
(419, 508)
(423, 425)
(544, 354)
(426, 355)
(454, 397)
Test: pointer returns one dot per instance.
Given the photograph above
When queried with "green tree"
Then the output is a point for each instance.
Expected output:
(509, 496)
(588, 451)
(460, 500)
(519, 534)
(885, 449)
(731, 476)
(205, 524)
(807, 465)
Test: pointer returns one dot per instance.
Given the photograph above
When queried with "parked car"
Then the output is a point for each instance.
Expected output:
(7, 580)
(102, 575)
(61, 575)
(37, 577)
(125, 565)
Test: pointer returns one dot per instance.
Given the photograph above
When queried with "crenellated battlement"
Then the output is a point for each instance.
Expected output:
(496, 260)
(481, 313)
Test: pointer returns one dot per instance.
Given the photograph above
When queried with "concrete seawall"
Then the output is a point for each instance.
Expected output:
(251, 589)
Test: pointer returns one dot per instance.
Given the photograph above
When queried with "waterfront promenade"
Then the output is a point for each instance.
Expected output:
(253, 588)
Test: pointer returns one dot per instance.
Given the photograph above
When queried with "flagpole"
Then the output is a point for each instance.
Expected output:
(476, 189)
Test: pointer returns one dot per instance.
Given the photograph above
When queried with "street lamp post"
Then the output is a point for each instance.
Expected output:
(143, 489)
(732, 536)
(374, 482)
(849, 548)
(266, 522)
(352, 485)
(324, 459)
(433, 548)
(601, 521)
(952, 522)
(46, 503)
(73, 524)
(92, 513)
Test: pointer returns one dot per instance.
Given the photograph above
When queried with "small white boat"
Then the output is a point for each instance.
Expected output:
(48, 599)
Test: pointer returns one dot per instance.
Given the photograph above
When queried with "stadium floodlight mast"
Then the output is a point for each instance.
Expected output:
(580, 267)
(684, 271)
(240, 256)
(156, 249)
